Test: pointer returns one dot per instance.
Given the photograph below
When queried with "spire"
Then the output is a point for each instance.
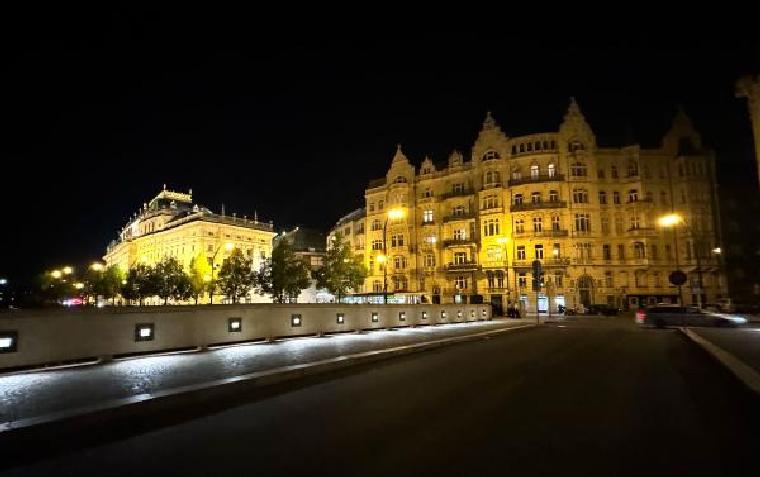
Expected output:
(399, 156)
(489, 122)
(574, 109)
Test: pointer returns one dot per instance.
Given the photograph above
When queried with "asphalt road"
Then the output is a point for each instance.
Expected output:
(588, 397)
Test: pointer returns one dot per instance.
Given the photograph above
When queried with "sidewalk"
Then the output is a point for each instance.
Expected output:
(46, 392)
(743, 343)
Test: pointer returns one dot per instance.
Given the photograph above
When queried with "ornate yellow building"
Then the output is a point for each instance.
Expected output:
(749, 87)
(470, 229)
(170, 225)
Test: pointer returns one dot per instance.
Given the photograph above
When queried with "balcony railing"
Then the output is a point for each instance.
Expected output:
(536, 179)
(455, 242)
(464, 216)
(641, 200)
(492, 185)
(641, 231)
(545, 263)
(462, 266)
(461, 193)
(457, 291)
(551, 233)
(552, 204)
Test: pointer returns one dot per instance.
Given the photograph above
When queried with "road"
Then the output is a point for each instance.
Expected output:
(592, 397)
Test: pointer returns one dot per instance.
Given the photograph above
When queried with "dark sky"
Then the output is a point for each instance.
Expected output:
(99, 114)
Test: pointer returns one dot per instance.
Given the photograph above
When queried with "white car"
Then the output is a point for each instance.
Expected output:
(676, 315)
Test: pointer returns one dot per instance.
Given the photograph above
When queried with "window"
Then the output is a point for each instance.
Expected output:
(602, 197)
(657, 280)
(654, 252)
(518, 199)
(428, 193)
(635, 224)
(458, 188)
(640, 279)
(645, 171)
(535, 198)
(621, 251)
(490, 155)
(520, 226)
(613, 172)
(639, 251)
(583, 222)
(539, 252)
(580, 196)
(600, 173)
(377, 245)
(491, 227)
(490, 201)
(608, 280)
(558, 279)
(537, 224)
(522, 147)
(575, 146)
(380, 205)
(616, 197)
(522, 280)
(578, 169)
(377, 286)
(427, 216)
(605, 225)
(555, 223)
(606, 251)
(458, 211)
(516, 175)
(619, 225)
(633, 195)
(399, 180)
(552, 170)
(534, 171)
(430, 260)
(553, 196)
(399, 262)
(494, 254)
(556, 250)
(632, 170)
(460, 282)
(492, 178)
(459, 234)
(521, 252)
(460, 258)
(376, 225)
(347, 231)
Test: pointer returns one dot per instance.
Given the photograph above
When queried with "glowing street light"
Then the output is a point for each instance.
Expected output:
(124, 282)
(669, 220)
(56, 274)
(68, 270)
(96, 266)
(229, 246)
(717, 251)
(79, 285)
(396, 213)
(207, 278)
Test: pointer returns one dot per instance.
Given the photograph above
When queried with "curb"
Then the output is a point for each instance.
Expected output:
(745, 373)
(163, 400)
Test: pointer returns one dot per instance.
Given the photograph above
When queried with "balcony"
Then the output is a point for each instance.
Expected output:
(491, 210)
(458, 242)
(455, 217)
(545, 263)
(492, 185)
(537, 179)
(461, 193)
(462, 267)
(641, 200)
(551, 233)
(642, 231)
(457, 291)
(525, 206)
(428, 222)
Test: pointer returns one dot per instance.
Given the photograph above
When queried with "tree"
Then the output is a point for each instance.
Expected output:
(170, 280)
(283, 275)
(341, 270)
(140, 283)
(54, 289)
(235, 277)
(111, 282)
(200, 276)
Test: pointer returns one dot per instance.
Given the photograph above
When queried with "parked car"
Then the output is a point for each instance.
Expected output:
(661, 316)
(602, 309)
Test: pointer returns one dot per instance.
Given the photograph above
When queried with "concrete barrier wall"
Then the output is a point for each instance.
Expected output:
(62, 335)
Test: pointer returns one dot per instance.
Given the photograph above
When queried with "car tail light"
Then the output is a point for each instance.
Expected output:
(640, 316)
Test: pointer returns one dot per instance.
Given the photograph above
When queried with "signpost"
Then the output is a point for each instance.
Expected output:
(678, 278)
(537, 271)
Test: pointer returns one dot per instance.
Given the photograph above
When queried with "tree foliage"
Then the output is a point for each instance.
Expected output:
(200, 276)
(341, 271)
(140, 283)
(283, 275)
(170, 280)
(235, 276)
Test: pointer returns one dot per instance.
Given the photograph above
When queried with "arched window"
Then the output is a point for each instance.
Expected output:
(492, 178)
(516, 175)
(639, 250)
(578, 169)
(399, 180)
(522, 147)
(632, 170)
(490, 155)
(575, 146)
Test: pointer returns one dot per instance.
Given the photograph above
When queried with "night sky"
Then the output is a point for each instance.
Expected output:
(99, 115)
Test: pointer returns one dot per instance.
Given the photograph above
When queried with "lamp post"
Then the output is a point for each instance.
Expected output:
(673, 220)
(228, 246)
(503, 242)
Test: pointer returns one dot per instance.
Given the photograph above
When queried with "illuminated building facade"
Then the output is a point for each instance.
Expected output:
(749, 87)
(470, 229)
(171, 225)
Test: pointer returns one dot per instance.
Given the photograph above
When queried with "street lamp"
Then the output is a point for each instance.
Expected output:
(228, 246)
(68, 270)
(56, 274)
(396, 213)
(96, 266)
(671, 221)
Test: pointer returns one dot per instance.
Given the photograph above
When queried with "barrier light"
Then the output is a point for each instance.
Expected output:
(485, 313)
(295, 320)
(144, 332)
(443, 314)
(401, 316)
(424, 315)
(375, 317)
(340, 318)
(234, 325)
(472, 313)
(8, 341)
(459, 314)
